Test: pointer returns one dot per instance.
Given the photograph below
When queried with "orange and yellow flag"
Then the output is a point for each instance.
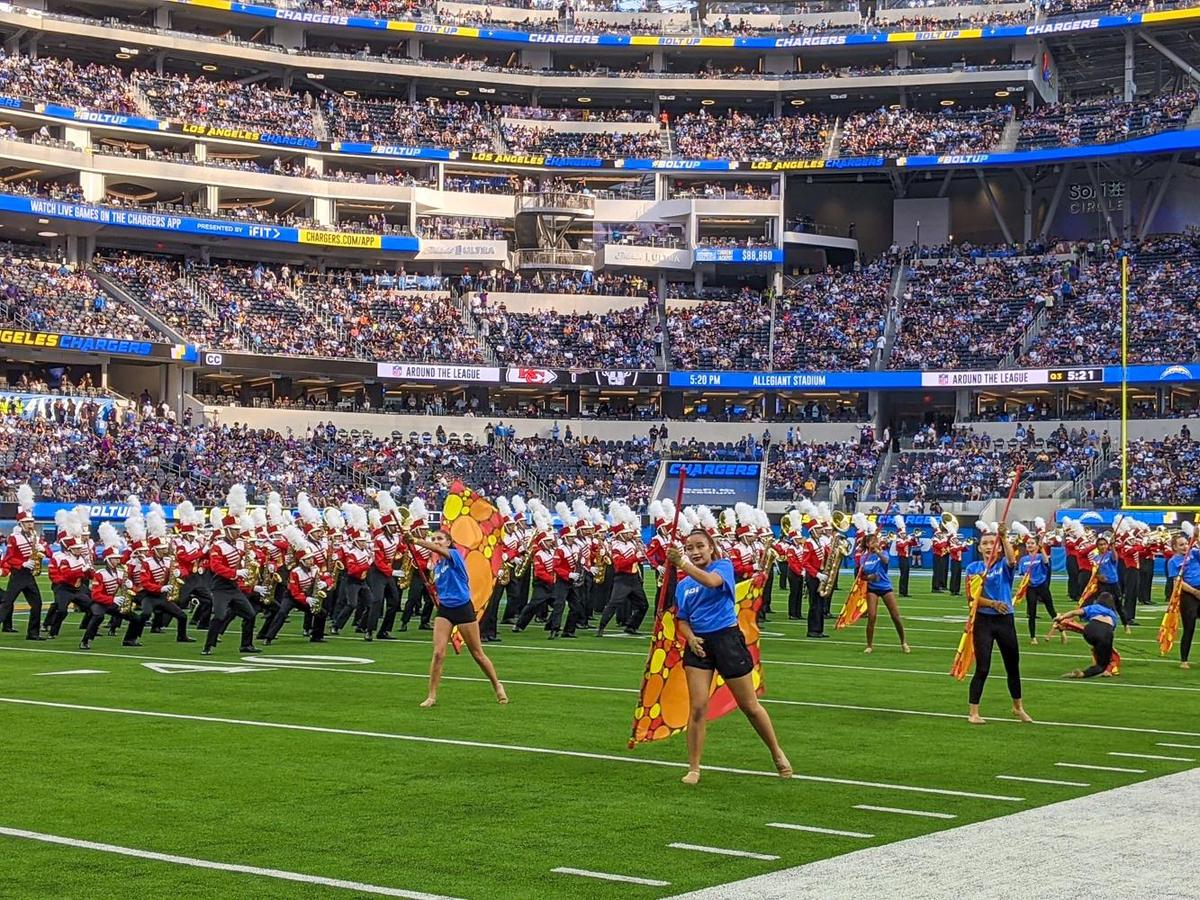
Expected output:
(662, 707)
(964, 656)
(1168, 631)
(473, 524)
(855, 605)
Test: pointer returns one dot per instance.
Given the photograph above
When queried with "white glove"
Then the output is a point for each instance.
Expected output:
(242, 573)
(261, 590)
(397, 573)
(822, 578)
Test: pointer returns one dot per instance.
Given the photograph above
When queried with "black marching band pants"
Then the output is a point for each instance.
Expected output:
(229, 601)
(627, 592)
(22, 583)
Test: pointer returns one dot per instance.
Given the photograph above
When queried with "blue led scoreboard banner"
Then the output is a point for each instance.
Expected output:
(714, 483)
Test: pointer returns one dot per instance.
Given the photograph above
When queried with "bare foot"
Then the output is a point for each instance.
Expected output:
(869, 650)
(1128, 630)
(1062, 635)
(1185, 665)
(905, 648)
(692, 777)
(976, 719)
(1033, 641)
(1020, 713)
(501, 697)
(428, 702)
(783, 767)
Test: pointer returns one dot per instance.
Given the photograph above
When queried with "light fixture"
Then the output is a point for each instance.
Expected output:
(349, 93)
(47, 234)
(461, 93)
(124, 56)
(583, 99)
(43, 221)
(896, 106)
(946, 102)
(707, 102)
(1001, 93)
(315, 76)
(799, 102)
(209, 67)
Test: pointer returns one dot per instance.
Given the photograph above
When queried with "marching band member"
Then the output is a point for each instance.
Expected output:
(874, 567)
(135, 532)
(226, 561)
(628, 590)
(70, 571)
(109, 582)
(23, 557)
(941, 558)
(706, 618)
(1101, 617)
(1035, 566)
(356, 557)
(1078, 543)
(454, 610)
(386, 554)
(906, 543)
(812, 561)
(741, 550)
(566, 567)
(789, 547)
(585, 551)
(1126, 544)
(521, 537)
(602, 564)
(307, 586)
(508, 552)
(994, 623)
(155, 577)
(418, 595)
(955, 548)
(191, 553)
(544, 574)
(312, 525)
(656, 550)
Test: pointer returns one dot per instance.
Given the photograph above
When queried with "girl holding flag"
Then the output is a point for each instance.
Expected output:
(1035, 579)
(1183, 581)
(452, 593)
(874, 568)
(706, 620)
(990, 590)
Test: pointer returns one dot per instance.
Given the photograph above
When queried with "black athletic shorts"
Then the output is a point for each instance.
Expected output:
(725, 651)
(457, 615)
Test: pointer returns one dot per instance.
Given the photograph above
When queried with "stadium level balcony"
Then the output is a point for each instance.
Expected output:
(561, 259)
(557, 203)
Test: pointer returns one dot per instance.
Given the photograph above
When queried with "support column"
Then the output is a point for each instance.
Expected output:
(962, 405)
(316, 163)
(656, 60)
(414, 48)
(324, 212)
(1101, 199)
(903, 57)
(1130, 61)
(162, 17)
(200, 151)
(991, 198)
(212, 198)
(1055, 200)
(80, 137)
(1027, 206)
(92, 185)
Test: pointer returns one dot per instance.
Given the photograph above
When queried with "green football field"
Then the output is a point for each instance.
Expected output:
(325, 769)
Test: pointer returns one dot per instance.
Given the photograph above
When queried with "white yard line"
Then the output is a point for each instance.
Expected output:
(721, 851)
(1153, 756)
(1067, 765)
(357, 886)
(1180, 746)
(905, 812)
(943, 865)
(811, 704)
(1022, 778)
(75, 672)
(815, 830)
(607, 876)
(486, 745)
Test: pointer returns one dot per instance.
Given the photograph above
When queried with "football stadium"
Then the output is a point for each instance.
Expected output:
(599, 448)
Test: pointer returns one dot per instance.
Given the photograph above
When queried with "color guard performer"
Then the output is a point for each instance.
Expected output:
(874, 567)
(452, 585)
(1184, 564)
(1101, 618)
(994, 621)
(1035, 566)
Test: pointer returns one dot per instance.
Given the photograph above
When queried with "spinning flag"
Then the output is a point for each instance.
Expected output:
(1022, 590)
(1168, 631)
(473, 524)
(662, 708)
(964, 656)
(855, 605)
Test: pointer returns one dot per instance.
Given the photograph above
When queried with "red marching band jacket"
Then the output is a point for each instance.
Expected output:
(905, 544)
(544, 569)
(18, 552)
(384, 548)
(225, 560)
(357, 561)
(742, 557)
(153, 575)
(625, 556)
(190, 555)
(302, 583)
(105, 586)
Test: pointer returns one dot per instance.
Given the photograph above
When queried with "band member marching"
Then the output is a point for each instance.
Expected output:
(906, 544)
(227, 562)
(509, 551)
(418, 599)
(307, 586)
(191, 556)
(23, 562)
(70, 572)
(111, 591)
(941, 557)
(357, 559)
(520, 535)
(544, 574)
(158, 581)
(955, 548)
(628, 590)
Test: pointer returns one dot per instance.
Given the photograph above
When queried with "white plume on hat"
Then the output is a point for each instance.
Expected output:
(25, 498)
(708, 521)
(1188, 529)
(215, 517)
(109, 539)
(296, 539)
(1018, 528)
(1039, 523)
(334, 519)
(417, 509)
(309, 514)
(503, 507)
(518, 505)
(235, 500)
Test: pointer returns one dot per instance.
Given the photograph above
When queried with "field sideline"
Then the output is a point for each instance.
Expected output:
(325, 769)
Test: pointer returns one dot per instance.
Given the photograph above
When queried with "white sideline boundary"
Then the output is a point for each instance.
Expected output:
(1032, 853)
(357, 886)
(487, 745)
(811, 704)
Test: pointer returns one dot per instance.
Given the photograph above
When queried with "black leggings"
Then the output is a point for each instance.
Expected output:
(1100, 637)
(1189, 608)
(989, 630)
(1038, 594)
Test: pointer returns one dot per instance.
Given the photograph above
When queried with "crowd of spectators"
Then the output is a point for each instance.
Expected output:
(906, 132)
(1104, 120)
(1163, 472)
(971, 313)
(159, 284)
(431, 123)
(797, 470)
(721, 334)
(835, 319)
(228, 104)
(630, 337)
(548, 142)
(45, 295)
(740, 135)
(593, 470)
(90, 86)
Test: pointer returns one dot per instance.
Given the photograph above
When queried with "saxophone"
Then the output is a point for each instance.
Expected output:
(406, 569)
(174, 583)
(123, 598)
(600, 566)
(316, 603)
(36, 555)
(526, 559)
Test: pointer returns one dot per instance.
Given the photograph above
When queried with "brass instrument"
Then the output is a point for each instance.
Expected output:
(406, 568)
(949, 522)
(37, 555)
(600, 566)
(527, 558)
(174, 583)
(316, 603)
(123, 598)
(839, 549)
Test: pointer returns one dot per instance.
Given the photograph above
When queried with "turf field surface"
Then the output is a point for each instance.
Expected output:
(330, 770)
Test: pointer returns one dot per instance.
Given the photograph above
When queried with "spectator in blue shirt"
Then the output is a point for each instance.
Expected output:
(706, 619)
